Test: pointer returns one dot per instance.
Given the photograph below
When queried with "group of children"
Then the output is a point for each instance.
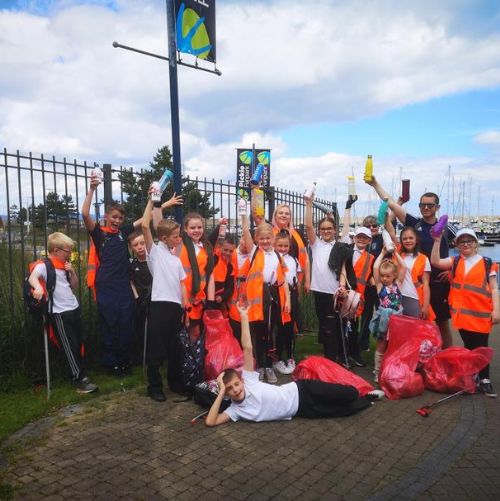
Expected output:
(143, 303)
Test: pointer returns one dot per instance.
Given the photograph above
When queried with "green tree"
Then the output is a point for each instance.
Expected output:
(136, 186)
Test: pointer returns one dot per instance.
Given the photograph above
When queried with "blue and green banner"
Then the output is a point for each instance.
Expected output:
(195, 28)
(246, 164)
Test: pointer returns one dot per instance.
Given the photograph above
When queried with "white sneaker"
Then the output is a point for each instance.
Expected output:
(375, 395)
(290, 365)
(280, 367)
(271, 376)
(261, 374)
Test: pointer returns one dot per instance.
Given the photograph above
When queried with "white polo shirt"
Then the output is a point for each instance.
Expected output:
(323, 279)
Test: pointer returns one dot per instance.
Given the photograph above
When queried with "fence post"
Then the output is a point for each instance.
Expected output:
(270, 201)
(108, 188)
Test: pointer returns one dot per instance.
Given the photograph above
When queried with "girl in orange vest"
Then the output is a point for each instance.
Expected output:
(267, 294)
(473, 295)
(197, 259)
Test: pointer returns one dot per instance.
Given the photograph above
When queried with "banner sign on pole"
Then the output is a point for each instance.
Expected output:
(195, 28)
(245, 165)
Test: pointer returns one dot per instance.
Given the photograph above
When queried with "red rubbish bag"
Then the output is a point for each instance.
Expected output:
(412, 341)
(222, 350)
(454, 369)
(316, 367)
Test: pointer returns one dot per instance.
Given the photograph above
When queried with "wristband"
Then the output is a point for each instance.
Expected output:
(157, 205)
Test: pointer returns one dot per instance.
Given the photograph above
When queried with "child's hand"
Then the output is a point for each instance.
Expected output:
(223, 220)
(68, 266)
(371, 181)
(174, 200)
(94, 182)
(495, 317)
(287, 308)
(308, 200)
(242, 309)
(424, 312)
(38, 293)
(220, 382)
(218, 299)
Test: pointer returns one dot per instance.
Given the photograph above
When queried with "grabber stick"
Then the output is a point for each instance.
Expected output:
(427, 409)
(46, 348)
(145, 345)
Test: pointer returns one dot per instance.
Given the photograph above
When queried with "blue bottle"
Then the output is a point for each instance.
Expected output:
(257, 174)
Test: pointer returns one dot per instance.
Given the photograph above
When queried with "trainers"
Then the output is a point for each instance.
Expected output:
(271, 376)
(290, 365)
(280, 367)
(375, 395)
(357, 361)
(261, 374)
(486, 388)
(157, 395)
(85, 386)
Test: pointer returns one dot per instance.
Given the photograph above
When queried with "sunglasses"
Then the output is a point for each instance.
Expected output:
(429, 206)
(331, 228)
(466, 242)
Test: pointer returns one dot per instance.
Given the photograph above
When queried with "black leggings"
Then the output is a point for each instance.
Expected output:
(318, 399)
(329, 325)
(473, 340)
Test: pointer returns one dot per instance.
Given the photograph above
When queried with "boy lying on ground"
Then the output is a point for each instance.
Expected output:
(253, 400)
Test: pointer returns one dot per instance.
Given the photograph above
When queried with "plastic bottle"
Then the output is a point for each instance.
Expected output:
(242, 207)
(405, 190)
(222, 228)
(166, 179)
(322, 207)
(382, 212)
(257, 175)
(388, 243)
(439, 227)
(155, 190)
(368, 169)
(97, 173)
(258, 195)
(309, 193)
(351, 187)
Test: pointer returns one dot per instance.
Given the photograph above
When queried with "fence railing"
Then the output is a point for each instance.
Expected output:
(40, 195)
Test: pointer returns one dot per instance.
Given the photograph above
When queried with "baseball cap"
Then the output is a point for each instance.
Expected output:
(361, 230)
(465, 231)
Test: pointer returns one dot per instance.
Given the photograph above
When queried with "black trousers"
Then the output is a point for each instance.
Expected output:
(68, 330)
(236, 328)
(140, 316)
(371, 303)
(285, 331)
(476, 340)
(329, 325)
(164, 324)
(318, 399)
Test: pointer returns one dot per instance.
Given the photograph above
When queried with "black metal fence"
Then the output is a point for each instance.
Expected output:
(40, 195)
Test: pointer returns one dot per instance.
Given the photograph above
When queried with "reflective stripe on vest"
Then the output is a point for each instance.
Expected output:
(472, 313)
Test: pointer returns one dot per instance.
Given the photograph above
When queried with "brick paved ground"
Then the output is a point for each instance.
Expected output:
(126, 446)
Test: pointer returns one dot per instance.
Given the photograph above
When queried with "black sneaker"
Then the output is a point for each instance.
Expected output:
(486, 388)
(85, 386)
(357, 361)
(157, 395)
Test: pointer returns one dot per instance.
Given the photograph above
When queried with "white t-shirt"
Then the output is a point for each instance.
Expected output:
(323, 279)
(357, 253)
(167, 272)
(271, 263)
(241, 258)
(293, 268)
(265, 402)
(63, 297)
(407, 288)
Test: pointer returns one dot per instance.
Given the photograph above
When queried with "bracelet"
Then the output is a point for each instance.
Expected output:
(157, 205)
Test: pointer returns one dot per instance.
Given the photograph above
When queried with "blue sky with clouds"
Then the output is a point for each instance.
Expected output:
(323, 83)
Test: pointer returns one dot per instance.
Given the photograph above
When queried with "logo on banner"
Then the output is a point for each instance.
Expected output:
(244, 165)
(195, 28)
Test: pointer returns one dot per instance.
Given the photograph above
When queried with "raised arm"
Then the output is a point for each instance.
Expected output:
(376, 269)
(390, 228)
(87, 219)
(399, 212)
(424, 313)
(246, 236)
(146, 229)
(246, 340)
(495, 314)
(158, 211)
(253, 209)
(401, 268)
(436, 260)
(311, 234)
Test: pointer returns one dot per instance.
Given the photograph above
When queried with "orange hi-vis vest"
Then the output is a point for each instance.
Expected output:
(255, 287)
(302, 258)
(220, 269)
(363, 270)
(417, 272)
(93, 261)
(195, 302)
(470, 298)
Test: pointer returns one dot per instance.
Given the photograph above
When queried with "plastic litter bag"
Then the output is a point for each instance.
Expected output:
(222, 350)
(454, 369)
(412, 341)
(316, 367)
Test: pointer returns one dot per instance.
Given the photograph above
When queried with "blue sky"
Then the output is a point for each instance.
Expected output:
(323, 83)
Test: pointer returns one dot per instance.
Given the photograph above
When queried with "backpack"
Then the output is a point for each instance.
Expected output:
(191, 359)
(487, 265)
(40, 308)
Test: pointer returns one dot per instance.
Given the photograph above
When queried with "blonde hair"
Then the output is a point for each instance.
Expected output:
(388, 264)
(263, 228)
(279, 207)
(58, 240)
(166, 227)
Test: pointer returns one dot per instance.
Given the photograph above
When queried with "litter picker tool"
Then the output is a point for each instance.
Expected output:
(46, 348)
(427, 409)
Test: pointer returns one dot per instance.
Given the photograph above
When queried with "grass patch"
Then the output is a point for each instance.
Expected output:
(25, 406)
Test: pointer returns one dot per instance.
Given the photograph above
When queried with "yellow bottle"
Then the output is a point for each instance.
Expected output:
(258, 195)
(369, 169)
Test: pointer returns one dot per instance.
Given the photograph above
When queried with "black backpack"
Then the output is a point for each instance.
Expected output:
(40, 308)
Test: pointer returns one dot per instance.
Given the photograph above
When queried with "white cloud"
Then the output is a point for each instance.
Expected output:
(489, 138)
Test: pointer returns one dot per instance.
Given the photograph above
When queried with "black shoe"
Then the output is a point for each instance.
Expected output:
(157, 395)
(486, 388)
(85, 386)
(357, 361)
